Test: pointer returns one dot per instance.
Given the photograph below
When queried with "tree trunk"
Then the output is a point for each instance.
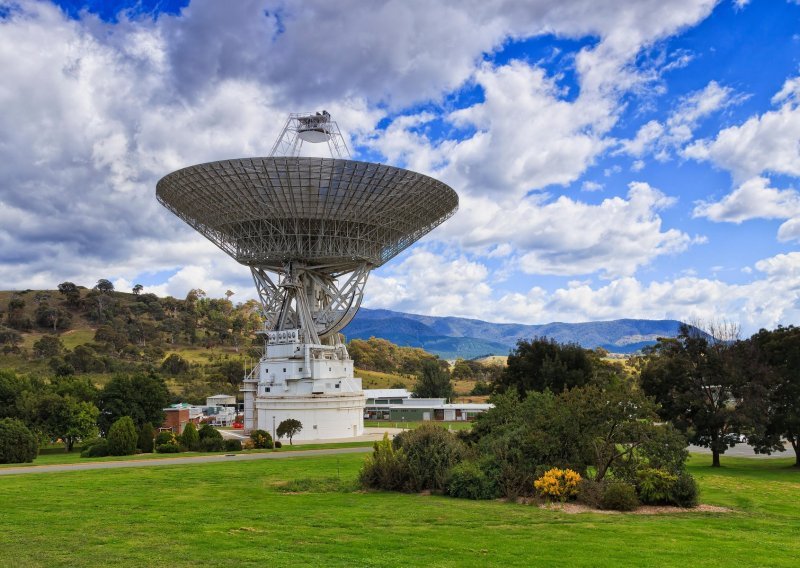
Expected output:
(796, 445)
(715, 457)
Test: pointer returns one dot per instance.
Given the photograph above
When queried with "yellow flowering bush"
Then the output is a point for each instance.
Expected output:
(559, 484)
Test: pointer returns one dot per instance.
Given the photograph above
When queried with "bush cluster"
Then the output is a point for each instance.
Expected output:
(146, 437)
(122, 437)
(416, 460)
(212, 444)
(261, 439)
(17, 442)
(166, 437)
(558, 484)
(233, 445)
(95, 448)
(546, 445)
(385, 468)
(168, 448)
(619, 496)
(430, 452)
(660, 487)
(468, 481)
(190, 439)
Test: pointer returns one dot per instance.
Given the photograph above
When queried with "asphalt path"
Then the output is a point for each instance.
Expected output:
(225, 458)
(745, 451)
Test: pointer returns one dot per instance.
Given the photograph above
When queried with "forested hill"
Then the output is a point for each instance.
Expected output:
(138, 325)
(451, 337)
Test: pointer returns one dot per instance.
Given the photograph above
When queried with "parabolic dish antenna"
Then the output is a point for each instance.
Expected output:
(310, 229)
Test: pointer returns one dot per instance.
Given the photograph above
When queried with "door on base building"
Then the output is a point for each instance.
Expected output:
(426, 416)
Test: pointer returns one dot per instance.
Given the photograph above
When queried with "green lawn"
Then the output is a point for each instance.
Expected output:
(410, 425)
(240, 514)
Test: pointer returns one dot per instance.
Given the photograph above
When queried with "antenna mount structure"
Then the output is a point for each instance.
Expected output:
(310, 229)
(310, 127)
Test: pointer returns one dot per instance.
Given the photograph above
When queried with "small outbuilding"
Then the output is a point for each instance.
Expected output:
(221, 400)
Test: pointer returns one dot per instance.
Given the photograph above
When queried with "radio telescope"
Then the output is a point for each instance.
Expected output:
(311, 230)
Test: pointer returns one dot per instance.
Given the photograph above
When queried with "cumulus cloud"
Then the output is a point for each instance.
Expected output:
(767, 143)
(432, 284)
(663, 138)
(91, 122)
(772, 297)
(569, 237)
(754, 199)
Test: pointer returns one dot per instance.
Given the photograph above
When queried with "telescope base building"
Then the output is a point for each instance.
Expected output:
(311, 383)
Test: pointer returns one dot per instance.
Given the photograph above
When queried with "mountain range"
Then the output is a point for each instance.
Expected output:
(452, 337)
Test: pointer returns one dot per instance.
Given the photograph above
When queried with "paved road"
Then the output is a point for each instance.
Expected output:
(179, 461)
(745, 451)
(370, 435)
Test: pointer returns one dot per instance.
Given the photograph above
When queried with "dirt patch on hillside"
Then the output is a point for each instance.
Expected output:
(575, 508)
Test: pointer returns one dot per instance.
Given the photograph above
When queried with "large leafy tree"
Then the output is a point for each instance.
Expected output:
(71, 293)
(16, 316)
(104, 286)
(433, 382)
(64, 418)
(142, 396)
(773, 401)
(698, 383)
(542, 363)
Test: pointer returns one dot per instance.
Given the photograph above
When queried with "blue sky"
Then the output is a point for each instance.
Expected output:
(613, 158)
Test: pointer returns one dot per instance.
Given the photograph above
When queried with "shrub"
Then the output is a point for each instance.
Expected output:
(233, 445)
(146, 436)
(468, 481)
(278, 444)
(431, 452)
(95, 449)
(619, 496)
(168, 448)
(685, 491)
(166, 437)
(559, 484)
(208, 431)
(248, 445)
(17, 442)
(175, 365)
(386, 468)
(288, 429)
(261, 439)
(511, 469)
(122, 437)
(590, 492)
(190, 439)
(655, 486)
(212, 444)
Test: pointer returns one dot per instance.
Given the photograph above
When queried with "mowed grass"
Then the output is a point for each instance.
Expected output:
(379, 380)
(305, 511)
(411, 425)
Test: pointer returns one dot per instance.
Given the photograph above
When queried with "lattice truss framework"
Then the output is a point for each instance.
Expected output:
(318, 225)
(317, 127)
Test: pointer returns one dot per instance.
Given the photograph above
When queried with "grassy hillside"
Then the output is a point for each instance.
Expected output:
(99, 334)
